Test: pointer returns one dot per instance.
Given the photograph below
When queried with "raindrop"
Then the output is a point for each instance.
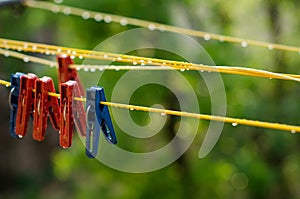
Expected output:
(58, 1)
(202, 71)
(142, 64)
(74, 52)
(270, 78)
(93, 69)
(86, 69)
(7, 85)
(72, 57)
(55, 9)
(19, 49)
(221, 39)
(293, 131)
(182, 69)
(123, 22)
(151, 27)
(80, 57)
(47, 52)
(117, 69)
(244, 44)
(34, 47)
(26, 59)
(134, 63)
(206, 37)
(119, 58)
(101, 69)
(234, 124)
(52, 65)
(105, 56)
(25, 45)
(149, 61)
(85, 15)
(98, 17)
(20, 136)
(6, 54)
(78, 68)
(132, 109)
(69, 51)
(162, 28)
(67, 11)
(270, 47)
(162, 114)
(107, 19)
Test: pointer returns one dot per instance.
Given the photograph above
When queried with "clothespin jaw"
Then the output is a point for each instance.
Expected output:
(13, 101)
(25, 103)
(44, 105)
(93, 126)
(65, 73)
(103, 116)
(68, 108)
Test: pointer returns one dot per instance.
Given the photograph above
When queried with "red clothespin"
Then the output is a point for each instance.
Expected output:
(25, 102)
(71, 112)
(44, 105)
(65, 73)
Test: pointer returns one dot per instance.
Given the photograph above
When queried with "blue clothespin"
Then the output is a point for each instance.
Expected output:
(13, 101)
(98, 118)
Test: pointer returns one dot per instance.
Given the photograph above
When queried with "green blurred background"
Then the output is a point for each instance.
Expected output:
(247, 162)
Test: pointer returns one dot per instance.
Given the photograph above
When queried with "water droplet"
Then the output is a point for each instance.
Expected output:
(52, 65)
(134, 63)
(55, 9)
(98, 17)
(164, 63)
(69, 51)
(142, 64)
(270, 78)
(244, 44)
(132, 109)
(299, 52)
(123, 22)
(67, 11)
(7, 85)
(74, 52)
(270, 47)
(293, 131)
(19, 49)
(26, 59)
(20, 136)
(47, 52)
(182, 69)
(206, 37)
(221, 39)
(101, 69)
(117, 69)
(119, 58)
(234, 124)
(86, 69)
(6, 54)
(105, 56)
(149, 61)
(202, 71)
(58, 1)
(161, 28)
(25, 45)
(72, 57)
(80, 57)
(93, 69)
(34, 47)
(85, 15)
(162, 114)
(151, 27)
(107, 19)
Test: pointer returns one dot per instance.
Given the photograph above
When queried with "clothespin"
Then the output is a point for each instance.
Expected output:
(98, 117)
(13, 101)
(71, 111)
(44, 105)
(65, 73)
(25, 103)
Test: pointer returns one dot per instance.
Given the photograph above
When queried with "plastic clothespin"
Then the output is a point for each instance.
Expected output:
(97, 116)
(13, 101)
(44, 105)
(71, 112)
(65, 73)
(25, 103)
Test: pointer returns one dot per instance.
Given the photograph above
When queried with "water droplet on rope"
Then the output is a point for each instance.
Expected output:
(67, 10)
(6, 54)
(182, 69)
(206, 37)
(26, 59)
(34, 47)
(20, 136)
(55, 9)
(151, 27)
(162, 114)
(293, 131)
(105, 56)
(86, 69)
(58, 1)
(270, 47)
(80, 57)
(72, 57)
(161, 28)
(85, 15)
(52, 65)
(134, 63)
(19, 49)
(244, 44)
(98, 17)
(234, 124)
(117, 69)
(132, 109)
(123, 22)
(107, 19)
(221, 39)
(93, 70)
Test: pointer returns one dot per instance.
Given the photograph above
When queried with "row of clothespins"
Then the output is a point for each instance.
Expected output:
(29, 96)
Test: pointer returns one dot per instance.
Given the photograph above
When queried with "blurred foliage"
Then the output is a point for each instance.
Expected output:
(247, 162)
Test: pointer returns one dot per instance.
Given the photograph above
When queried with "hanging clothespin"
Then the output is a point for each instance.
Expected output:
(65, 73)
(13, 101)
(25, 103)
(71, 111)
(44, 105)
(98, 117)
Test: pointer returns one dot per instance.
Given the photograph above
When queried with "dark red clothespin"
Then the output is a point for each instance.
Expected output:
(71, 111)
(25, 103)
(65, 73)
(44, 105)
